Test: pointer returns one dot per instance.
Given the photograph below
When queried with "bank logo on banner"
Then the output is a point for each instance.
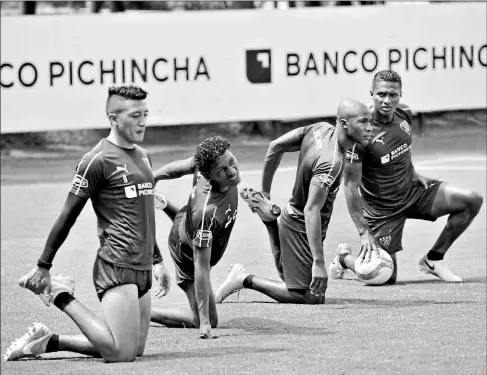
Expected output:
(259, 65)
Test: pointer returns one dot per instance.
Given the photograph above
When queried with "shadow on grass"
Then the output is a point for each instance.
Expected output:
(262, 326)
(468, 280)
(395, 303)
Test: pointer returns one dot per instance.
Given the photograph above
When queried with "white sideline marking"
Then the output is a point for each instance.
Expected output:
(420, 165)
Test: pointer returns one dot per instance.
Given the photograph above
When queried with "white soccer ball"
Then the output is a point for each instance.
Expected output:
(377, 271)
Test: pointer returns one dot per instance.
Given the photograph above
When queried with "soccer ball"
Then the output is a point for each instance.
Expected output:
(377, 271)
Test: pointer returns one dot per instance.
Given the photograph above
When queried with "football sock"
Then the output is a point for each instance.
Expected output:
(341, 259)
(62, 300)
(53, 344)
(247, 283)
(434, 255)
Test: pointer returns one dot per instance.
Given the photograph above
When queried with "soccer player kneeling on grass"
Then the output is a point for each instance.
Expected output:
(200, 231)
(383, 189)
(116, 174)
(297, 240)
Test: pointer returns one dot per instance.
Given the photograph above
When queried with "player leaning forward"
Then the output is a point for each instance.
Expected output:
(392, 191)
(297, 239)
(117, 176)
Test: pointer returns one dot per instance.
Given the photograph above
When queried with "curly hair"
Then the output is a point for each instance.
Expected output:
(388, 76)
(208, 150)
(128, 92)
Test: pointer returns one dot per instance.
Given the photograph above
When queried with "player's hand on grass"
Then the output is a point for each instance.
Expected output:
(37, 280)
(319, 278)
(205, 332)
(163, 280)
(368, 245)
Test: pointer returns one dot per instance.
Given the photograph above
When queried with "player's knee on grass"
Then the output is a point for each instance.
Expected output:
(304, 297)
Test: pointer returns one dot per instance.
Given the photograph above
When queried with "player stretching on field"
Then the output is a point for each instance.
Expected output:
(391, 190)
(200, 231)
(117, 176)
(297, 240)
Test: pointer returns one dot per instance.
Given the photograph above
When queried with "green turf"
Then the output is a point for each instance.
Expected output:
(419, 326)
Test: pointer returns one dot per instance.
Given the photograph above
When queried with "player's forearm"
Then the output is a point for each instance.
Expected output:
(175, 169)
(312, 219)
(355, 208)
(271, 163)
(202, 287)
(156, 256)
(55, 239)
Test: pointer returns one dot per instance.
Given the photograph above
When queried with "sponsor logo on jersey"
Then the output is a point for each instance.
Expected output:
(79, 182)
(350, 155)
(405, 126)
(122, 168)
(385, 241)
(385, 159)
(326, 179)
(145, 188)
(131, 191)
(147, 162)
(204, 235)
(380, 140)
(317, 135)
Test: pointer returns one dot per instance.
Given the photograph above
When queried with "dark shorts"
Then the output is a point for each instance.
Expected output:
(388, 229)
(296, 258)
(184, 268)
(107, 276)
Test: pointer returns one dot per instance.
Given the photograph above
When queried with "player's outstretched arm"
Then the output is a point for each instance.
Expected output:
(312, 216)
(289, 142)
(38, 280)
(175, 169)
(202, 285)
(353, 176)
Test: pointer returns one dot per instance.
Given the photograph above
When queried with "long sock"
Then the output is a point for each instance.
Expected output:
(434, 255)
(53, 344)
(247, 283)
(62, 300)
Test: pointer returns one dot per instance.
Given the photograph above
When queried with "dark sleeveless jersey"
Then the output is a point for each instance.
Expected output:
(208, 221)
(387, 169)
(320, 163)
(120, 184)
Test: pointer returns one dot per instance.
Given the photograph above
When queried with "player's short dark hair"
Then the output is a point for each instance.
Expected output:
(128, 92)
(388, 76)
(208, 150)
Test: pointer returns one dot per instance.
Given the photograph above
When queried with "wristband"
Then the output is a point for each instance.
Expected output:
(45, 265)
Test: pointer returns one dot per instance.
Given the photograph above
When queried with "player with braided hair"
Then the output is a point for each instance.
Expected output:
(200, 230)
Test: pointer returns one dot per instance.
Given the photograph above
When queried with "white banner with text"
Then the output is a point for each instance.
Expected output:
(219, 66)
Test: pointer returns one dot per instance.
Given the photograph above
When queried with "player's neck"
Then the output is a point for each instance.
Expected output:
(343, 140)
(119, 141)
(383, 119)
(218, 188)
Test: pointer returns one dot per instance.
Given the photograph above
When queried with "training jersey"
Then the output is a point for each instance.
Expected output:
(209, 220)
(320, 163)
(120, 183)
(387, 169)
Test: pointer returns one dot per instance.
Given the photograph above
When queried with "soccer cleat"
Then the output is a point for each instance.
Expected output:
(439, 269)
(33, 343)
(59, 284)
(160, 202)
(259, 204)
(233, 283)
(336, 270)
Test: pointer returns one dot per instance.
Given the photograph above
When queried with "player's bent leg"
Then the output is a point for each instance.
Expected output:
(145, 315)
(392, 280)
(173, 317)
(273, 231)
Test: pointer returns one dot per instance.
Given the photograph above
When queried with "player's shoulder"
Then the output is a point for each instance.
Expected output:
(93, 157)
(141, 150)
(405, 112)
(321, 126)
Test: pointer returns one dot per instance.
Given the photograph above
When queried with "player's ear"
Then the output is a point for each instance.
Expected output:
(112, 117)
(343, 123)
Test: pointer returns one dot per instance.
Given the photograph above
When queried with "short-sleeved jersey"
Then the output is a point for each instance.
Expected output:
(209, 220)
(320, 163)
(387, 169)
(120, 184)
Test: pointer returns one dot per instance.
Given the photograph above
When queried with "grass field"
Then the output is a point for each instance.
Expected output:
(417, 326)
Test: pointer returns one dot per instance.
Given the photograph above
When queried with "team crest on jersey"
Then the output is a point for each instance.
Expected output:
(385, 241)
(326, 179)
(350, 155)
(79, 182)
(147, 162)
(405, 126)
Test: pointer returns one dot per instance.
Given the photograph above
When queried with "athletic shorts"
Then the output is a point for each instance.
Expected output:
(107, 276)
(388, 228)
(296, 258)
(183, 266)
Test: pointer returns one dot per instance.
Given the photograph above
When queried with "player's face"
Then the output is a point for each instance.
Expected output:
(386, 96)
(359, 127)
(224, 171)
(132, 120)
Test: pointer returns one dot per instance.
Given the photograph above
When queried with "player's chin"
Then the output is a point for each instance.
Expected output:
(364, 141)
(235, 181)
(139, 137)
